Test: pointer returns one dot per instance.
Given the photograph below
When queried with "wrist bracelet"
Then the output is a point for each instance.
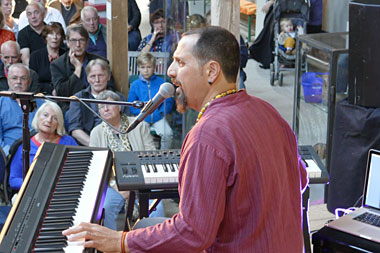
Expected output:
(123, 241)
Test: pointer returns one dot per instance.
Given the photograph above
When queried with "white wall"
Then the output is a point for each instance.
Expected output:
(335, 15)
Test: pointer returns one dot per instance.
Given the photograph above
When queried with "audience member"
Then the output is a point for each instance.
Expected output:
(195, 21)
(80, 119)
(235, 197)
(40, 59)
(68, 71)
(49, 124)
(106, 136)
(315, 17)
(176, 11)
(5, 34)
(162, 39)
(243, 63)
(134, 20)
(11, 114)
(97, 43)
(30, 38)
(11, 23)
(70, 10)
(10, 54)
(51, 15)
(146, 88)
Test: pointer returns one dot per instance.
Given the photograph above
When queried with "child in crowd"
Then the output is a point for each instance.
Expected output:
(146, 88)
(286, 38)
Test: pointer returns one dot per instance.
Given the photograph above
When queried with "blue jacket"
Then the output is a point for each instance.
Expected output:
(11, 120)
(144, 90)
(15, 176)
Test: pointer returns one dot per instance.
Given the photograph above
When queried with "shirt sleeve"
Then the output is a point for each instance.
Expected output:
(64, 85)
(22, 21)
(146, 136)
(15, 175)
(143, 43)
(74, 117)
(203, 199)
(23, 39)
(132, 96)
(136, 15)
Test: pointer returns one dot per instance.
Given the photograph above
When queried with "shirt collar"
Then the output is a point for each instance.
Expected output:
(152, 78)
(93, 37)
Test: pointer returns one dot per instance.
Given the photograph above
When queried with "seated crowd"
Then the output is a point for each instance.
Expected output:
(59, 48)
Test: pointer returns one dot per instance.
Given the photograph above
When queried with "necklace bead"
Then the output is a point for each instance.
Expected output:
(220, 95)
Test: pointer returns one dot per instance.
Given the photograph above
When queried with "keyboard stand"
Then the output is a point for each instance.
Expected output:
(307, 152)
(144, 196)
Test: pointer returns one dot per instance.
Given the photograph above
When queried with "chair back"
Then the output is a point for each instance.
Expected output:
(3, 164)
(161, 62)
(8, 192)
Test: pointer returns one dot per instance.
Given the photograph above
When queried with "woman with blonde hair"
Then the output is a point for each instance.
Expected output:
(50, 127)
(10, 23)
(5, 34)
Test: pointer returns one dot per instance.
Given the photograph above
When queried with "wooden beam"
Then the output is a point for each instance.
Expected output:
(117, 42)
(226, 13)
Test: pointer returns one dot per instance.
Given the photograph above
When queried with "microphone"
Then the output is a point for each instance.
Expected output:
(166, 90)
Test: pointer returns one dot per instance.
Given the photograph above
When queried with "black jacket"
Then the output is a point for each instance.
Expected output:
(65, 82)
(34, 86)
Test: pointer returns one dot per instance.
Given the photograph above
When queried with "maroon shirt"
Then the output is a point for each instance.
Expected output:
(239, 183)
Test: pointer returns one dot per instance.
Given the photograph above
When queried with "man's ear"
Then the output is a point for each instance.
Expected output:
(213, 71)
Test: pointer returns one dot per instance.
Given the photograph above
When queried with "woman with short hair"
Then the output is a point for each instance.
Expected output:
(50, 127)
(40, 59)
(106, 136)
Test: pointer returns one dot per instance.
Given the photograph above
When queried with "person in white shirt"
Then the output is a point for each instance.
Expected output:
(52, 15)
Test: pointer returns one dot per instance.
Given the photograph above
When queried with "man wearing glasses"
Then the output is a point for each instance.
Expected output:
(11, 114)
(68, 71)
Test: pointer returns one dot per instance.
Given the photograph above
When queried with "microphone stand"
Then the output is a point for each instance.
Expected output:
(27, 106)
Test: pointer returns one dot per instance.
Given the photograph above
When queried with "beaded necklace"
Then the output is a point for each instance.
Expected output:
(220, 95)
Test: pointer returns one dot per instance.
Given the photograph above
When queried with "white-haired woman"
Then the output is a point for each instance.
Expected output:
(104, 136)
(50, 127)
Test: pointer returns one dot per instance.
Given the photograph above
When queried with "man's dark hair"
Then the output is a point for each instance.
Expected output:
(217, 44)
(78, 28)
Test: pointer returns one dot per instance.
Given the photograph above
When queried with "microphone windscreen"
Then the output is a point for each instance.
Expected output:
(166, 90)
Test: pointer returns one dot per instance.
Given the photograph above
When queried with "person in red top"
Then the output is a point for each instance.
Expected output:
(5, 34)
(240, 175)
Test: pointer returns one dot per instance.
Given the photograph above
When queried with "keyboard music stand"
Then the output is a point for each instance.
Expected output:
(144, 196)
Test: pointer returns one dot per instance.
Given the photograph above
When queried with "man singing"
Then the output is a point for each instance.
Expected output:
(240, 175)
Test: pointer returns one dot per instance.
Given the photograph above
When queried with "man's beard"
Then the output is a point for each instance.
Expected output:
(181, 101)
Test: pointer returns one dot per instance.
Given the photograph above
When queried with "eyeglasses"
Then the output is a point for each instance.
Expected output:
(104, 106)
(99, 76)
(159, 22)
(75, 41)
(21, 78)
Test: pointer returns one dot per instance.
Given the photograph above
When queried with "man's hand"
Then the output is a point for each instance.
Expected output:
(77, 64)
(95, 236)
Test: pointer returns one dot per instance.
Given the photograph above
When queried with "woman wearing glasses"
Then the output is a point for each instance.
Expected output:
(162, 39)
(106, 136)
